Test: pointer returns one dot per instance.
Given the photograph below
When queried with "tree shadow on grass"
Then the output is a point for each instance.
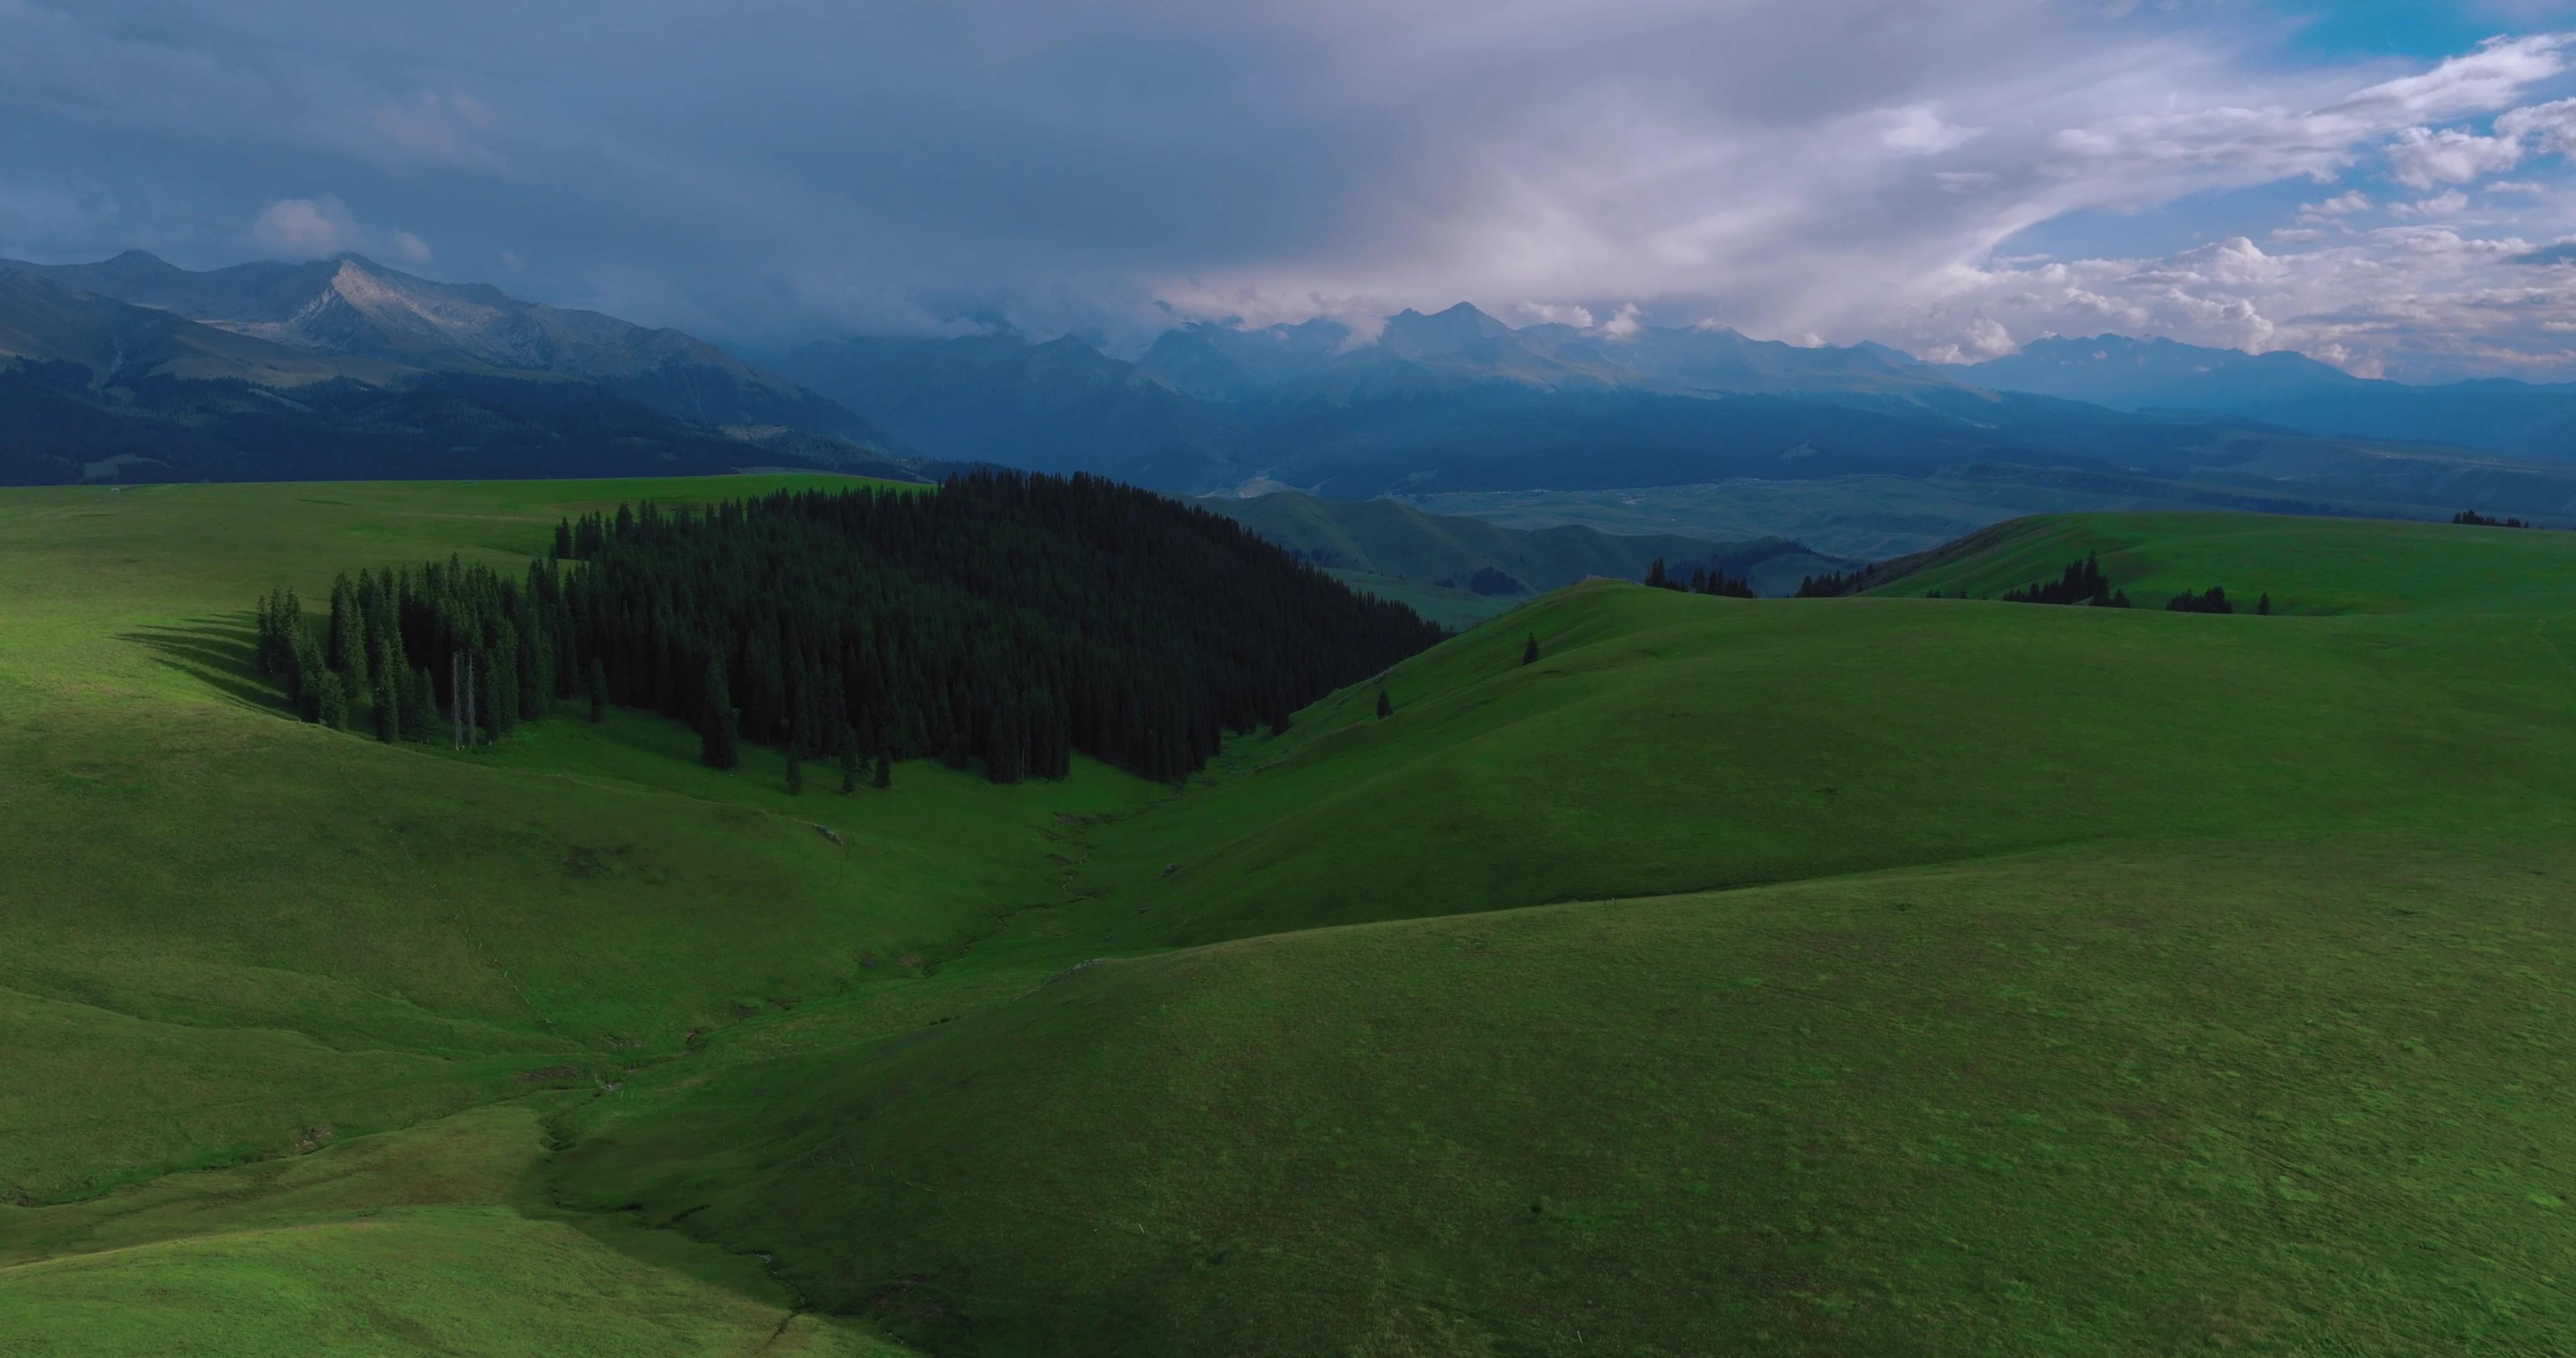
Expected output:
(221, 653)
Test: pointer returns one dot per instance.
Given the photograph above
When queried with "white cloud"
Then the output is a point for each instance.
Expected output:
(2297, 235)
(2440, 205)
(2421, 158)
(2341, 204)
(1623, 326)
(314, 228)
(305, 228)
(2551, 127)
(1554, 314)
(1919, 130)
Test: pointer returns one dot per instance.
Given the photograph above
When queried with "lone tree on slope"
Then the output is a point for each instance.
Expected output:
(1529, 650)
(1385, 709)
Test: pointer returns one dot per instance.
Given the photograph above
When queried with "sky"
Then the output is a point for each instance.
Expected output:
(2387, 186)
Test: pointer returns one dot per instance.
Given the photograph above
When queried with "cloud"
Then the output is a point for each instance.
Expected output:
(305, 228)
(2441, 205)
(771, 173)
(2421, 158)
(2550, 127)
(1547, 314)
(315, 228)
(1919, 130)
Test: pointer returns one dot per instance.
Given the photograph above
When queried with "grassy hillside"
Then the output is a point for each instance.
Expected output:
(1873, 975)
(2130, 982)
(2318, 566)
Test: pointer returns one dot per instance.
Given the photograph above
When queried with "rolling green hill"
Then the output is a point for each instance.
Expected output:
(2321, 566)
(1876, 975)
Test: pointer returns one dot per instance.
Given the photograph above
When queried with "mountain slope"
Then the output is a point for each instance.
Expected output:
(1058, 406)
(1388, 538)
(93, 388)
(351, 306)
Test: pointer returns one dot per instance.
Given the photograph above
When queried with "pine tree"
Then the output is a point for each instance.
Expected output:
(849, 753)
(420, 706)
(1385, 708)
(596, 682)
(795, 768)
(717, 744)
(2263, 606)
(388, 692)
(347, 652)
(885, 771)
(331, 700)
(1655, 578)
(1529, 650)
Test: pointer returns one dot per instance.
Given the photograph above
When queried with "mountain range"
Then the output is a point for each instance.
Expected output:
(132, 368)
(2292, 390)
(1457, 402)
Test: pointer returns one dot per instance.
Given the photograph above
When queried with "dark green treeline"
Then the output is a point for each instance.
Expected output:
(1009, 618)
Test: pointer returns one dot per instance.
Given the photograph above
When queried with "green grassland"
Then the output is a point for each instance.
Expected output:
(2306, 565)
(1878, 975)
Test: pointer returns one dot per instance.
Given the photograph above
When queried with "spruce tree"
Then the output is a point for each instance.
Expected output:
(596, 682)
(1385, 708)
(387, 692)
(885, 771)
(795, 768)
(717, 747)
(420, 706)
(1529, 650)
(331, 700)
(2263, 606)
(849, 753)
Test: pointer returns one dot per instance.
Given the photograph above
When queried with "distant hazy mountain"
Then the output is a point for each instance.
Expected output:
(1056, 406)
(2292, 390)
(1417, 354)
(1458, 402)
(350, 307)
(1389, 538)
(95, 388)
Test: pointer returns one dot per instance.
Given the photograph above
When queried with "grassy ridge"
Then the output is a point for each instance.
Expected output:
(1669, 743)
